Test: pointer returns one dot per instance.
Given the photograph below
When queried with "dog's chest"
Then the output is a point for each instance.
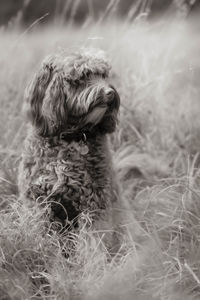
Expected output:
(63, 174)
(67, 165)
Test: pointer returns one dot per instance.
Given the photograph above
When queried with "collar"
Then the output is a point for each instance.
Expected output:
(81, 136)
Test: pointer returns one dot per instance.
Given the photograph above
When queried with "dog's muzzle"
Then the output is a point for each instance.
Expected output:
(112, 98)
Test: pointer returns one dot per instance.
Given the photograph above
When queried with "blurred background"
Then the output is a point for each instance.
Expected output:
(25, 12)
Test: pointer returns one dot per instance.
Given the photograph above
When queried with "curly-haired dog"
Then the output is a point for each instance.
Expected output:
(66, 160)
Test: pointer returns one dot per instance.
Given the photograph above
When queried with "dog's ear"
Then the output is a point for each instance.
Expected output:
(54, 104)
(34, 96)
(45, 98)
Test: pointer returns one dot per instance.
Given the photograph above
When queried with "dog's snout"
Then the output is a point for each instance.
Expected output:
(110, 95)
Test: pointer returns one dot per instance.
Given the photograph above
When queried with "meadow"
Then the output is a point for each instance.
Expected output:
(156, 69)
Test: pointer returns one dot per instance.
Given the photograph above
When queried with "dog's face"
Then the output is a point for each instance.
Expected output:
(72, 93)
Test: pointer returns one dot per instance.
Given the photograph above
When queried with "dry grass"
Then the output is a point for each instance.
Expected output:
(156, 70)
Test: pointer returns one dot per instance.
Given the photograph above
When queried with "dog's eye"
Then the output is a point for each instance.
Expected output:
(72, 82)
(76, 82)
(87, 74)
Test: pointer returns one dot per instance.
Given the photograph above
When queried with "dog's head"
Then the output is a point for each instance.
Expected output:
(72, 93)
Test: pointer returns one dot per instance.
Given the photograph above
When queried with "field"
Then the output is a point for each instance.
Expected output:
(156, 147)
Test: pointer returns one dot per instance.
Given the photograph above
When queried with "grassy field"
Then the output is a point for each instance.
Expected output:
(156, 69)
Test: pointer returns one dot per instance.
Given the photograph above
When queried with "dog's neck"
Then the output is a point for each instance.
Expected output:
(83, 137)
(79, 136)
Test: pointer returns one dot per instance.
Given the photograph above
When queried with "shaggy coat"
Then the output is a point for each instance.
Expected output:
(66, 162)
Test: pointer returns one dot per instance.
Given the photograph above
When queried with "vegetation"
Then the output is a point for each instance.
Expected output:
(156, 153)
(60, 11)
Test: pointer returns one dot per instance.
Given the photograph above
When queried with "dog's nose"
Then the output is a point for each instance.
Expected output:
(110, 95)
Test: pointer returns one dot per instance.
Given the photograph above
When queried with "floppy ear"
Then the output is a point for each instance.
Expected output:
(34, 96)
(54, 104)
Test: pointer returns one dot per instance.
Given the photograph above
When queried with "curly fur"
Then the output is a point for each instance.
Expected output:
(66, 159)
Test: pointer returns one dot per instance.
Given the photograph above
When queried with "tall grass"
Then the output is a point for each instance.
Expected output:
(156, 154)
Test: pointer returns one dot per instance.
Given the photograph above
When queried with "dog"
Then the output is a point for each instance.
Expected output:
(66, 163)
